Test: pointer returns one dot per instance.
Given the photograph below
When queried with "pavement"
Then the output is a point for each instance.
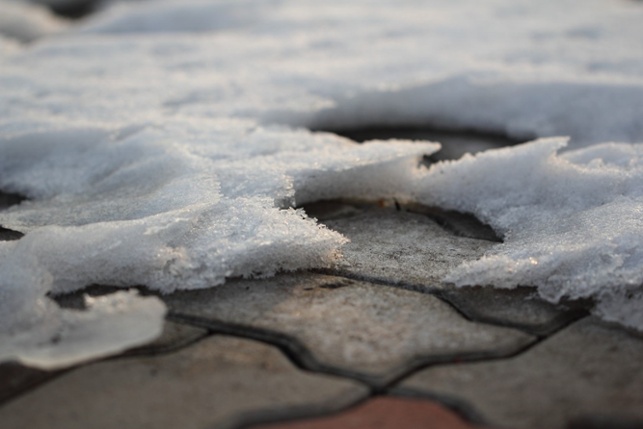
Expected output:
(379, 341)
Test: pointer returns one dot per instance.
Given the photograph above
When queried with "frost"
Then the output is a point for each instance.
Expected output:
(161, 143)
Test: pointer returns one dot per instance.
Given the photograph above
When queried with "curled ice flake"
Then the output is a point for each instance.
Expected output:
(110, 324)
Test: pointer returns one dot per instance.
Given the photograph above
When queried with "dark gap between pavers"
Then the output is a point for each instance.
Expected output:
(74, 9)
(7, 200)
(455, 143)
(17, 379)
(457, 223)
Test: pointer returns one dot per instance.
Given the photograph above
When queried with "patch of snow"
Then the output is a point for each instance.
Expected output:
(158, 142)
(109, 325)
(571, 223)
(173, 208)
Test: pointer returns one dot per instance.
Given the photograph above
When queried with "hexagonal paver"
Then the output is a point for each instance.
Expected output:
(402, 247)
(16, 378)
(383, 413)
(212, 383)
(588, 369)
(413, 250)
(519, 308)
(373, 331)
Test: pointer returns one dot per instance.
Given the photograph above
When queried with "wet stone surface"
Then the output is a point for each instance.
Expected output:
(370, 331)
(215, 383)
(586, 372)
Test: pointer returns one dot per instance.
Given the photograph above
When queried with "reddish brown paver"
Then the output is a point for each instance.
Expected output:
(384, 413)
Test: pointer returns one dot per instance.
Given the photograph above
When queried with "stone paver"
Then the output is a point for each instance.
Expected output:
(512, 307)
(174, 336)
(212, 383)
(402, 247)
(373, 331)
(586, 370)
(413, 250)
(383, 413)
(16, 378)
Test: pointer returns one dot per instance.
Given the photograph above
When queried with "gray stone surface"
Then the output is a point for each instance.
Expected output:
(210, 384)
(413, 250)
(174, 336)
(373, 330)
(16, 378)
(587, 369)
(401, 247)
(518, 307)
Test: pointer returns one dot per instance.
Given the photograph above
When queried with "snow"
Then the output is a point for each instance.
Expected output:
(571, 223)
(109, 325)
(164, 143)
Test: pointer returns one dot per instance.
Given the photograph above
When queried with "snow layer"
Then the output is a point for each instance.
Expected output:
(158, 145)
(571, 223)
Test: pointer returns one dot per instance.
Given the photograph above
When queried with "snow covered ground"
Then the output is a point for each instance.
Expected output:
(165, 143)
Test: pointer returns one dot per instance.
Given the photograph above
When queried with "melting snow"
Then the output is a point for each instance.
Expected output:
(157, 142)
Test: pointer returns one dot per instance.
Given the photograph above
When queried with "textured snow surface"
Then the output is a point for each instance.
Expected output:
(572, 223)
(158, 144)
